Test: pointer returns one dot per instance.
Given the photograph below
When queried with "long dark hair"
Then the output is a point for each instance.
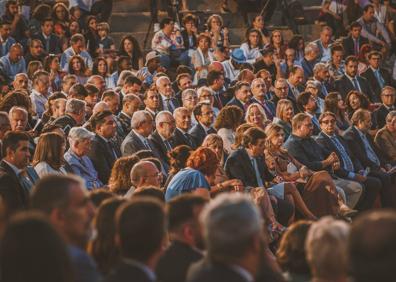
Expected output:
(136, 52)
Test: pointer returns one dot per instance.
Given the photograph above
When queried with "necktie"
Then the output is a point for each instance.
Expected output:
(256, 171)
(356, 84)
(324, 90)
(25, 181)
(356, 46)
(146, 144)
(167, 145)
(211, 130)
(380, 79)
(370, 152)
(169, 105)
(218, 101)
(47, 44)
(315, 121)
(188, 139)
(113, 152)
(348, 165)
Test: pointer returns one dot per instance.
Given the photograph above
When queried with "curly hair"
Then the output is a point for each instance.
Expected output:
(364, 102)
(230, 117)
(136, 52)
(83, 66)
(178, 158)
(204, 160)
(120, 181)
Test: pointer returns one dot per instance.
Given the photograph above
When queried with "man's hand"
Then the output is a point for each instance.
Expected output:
(360, 178)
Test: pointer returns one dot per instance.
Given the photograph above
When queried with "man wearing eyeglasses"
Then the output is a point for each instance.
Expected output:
(144, 174)
(36, 52)
(388, 98)
(350, 167)
(303, 147)
(281, 92)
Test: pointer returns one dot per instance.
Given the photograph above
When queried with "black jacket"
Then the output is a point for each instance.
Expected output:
(372, 80)
(160, 147)
(356, 145)
(325, 142)
(102, 157)
(66, 122)
(11, 190)
(174, 263)
(183, 139)
(379, 116)
(55, 46)
(344, 85)
(239, 166)
(199, 134)
(349, 45)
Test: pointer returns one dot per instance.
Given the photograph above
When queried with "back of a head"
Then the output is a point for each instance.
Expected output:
(33, 251)
(52, 192)
(326, 249)
(140, 228)
(230, 224)
(372, 247)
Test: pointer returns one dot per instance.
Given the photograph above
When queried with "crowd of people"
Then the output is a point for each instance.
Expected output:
(196, 160)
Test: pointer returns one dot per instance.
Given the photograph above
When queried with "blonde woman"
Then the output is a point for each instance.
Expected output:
(284, 115)
(255, 115)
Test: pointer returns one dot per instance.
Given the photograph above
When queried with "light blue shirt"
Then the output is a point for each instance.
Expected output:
(11, 69)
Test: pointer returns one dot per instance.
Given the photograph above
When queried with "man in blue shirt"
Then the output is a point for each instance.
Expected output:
(77, 43)
(13, 63)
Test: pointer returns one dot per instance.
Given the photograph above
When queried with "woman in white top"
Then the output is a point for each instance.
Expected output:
(202, 58)
(252, 46)
(48, 157)
(229, 118)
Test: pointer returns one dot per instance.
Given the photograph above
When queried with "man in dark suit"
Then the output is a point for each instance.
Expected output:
(388, 98)
(203, 113)
(16, 178)
(303, 147)
(281, 92)
(241, 96)
(162, 137)
(186, 237)
(311, 54)
(130, 104)
(354, 41)
(259, 91)
(322, 77)
(137, 138)
(350, 167)
(351, 81)
(363, 148)
(231, 256)
(51, 42)
(306, 103)
(184, 82)
(216, 82)
(152, 102)
(140, 237)
(248, 165)
(168, 101)
(183, 123)
(103, 151)
(295, 82)
(377, 77)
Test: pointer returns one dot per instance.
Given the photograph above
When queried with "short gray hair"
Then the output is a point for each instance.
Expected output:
(326, 248)
(75, 106)
(311, 47)
(100, 107)
(160, 116)
(139, 117)
(390, 116)
(179, 110)
(129, 98)
(79, 133)
(159, 79)
(93, 77)
(230, 223)
(123, 76)
(188, 92)
(16, 109)
(320, 67)
(203, 89)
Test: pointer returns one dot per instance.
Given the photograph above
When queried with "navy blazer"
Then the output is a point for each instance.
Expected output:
(180, 139)
(102, 158)
(372, 80)
(55, 46)
(238, 165)
(159, 145)
(356, 145)
(379, 116)
(11, 190)
(199, 133)
(235, 102)
(306, 151)
(269, 109)
(124, 272)
(343, 85)
(349, 45)
(325, 142)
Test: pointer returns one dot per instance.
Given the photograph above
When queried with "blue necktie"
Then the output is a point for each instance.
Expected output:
(370, 152)
(348, 165)
(356, 84)
(380, 79)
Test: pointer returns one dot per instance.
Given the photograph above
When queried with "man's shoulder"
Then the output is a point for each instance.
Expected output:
(124, 272)
(208, 272)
